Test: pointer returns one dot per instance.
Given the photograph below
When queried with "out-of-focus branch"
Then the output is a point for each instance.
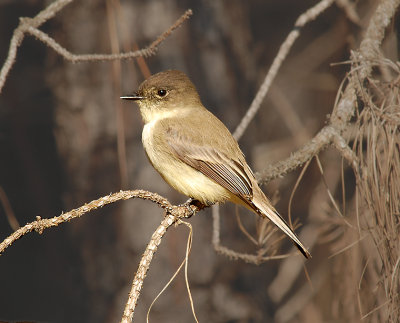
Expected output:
(344, 109)
(19, 34)
(332, 133)
(12, 220)
(30, 26)
(363, 61)
(300, 157)
(349, 8)
(232, 254)
(305, 18)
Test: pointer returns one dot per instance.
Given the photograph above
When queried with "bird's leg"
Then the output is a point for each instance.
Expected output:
(192, 202)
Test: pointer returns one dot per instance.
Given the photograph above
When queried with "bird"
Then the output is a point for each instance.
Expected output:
(193, 150)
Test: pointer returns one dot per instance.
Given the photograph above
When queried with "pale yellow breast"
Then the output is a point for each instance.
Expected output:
(179, 175)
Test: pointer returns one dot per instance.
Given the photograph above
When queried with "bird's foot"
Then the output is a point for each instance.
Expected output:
(192, 206)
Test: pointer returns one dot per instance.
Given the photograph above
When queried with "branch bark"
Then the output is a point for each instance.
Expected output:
(30, 26)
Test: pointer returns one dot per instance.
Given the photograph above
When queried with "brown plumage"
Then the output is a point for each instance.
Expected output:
(193, 150)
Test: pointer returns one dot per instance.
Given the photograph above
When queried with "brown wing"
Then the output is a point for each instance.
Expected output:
(229, 173)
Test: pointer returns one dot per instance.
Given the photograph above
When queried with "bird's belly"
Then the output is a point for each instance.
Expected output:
(181, 176)
(192, 183)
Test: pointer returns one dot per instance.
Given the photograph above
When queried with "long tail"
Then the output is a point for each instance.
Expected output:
(263, 207)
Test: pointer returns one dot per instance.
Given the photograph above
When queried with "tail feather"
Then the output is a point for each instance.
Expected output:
(268, 211)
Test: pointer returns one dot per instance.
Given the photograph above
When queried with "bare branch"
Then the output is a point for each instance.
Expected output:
(375, 33)
(19, 34)
(232, 254)
(144, 266)
(74, 58)
(30, 26)
(173, 214)
(41, 224)
(349, 8)
(305, 18)
(345, 108)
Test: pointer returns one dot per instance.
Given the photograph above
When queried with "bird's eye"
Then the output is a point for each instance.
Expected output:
(162, 92)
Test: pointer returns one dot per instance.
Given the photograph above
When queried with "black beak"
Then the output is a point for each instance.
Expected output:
(134, 97)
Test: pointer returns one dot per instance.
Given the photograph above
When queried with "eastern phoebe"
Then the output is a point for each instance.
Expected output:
(193, 150)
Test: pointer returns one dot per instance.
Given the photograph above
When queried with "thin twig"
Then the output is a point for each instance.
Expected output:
(349, 9)
(242, 228)
(248, 258)
(74, 58)
(188, 249)
(305, 18)
(19, 34)
(253, 259)
(119, 112)
(177, 271)
(12, 220)
(30, 26)
(296, 185)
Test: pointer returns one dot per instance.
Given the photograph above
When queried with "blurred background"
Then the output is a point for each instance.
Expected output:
(66, 138)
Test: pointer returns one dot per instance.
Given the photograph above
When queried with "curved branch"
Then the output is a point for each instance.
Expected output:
(30, 26)
(41, 224)
(173, 213)
(347, 103)
(19, 34)
(304, 18)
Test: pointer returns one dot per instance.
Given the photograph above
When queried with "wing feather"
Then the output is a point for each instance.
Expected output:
(229, 173)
